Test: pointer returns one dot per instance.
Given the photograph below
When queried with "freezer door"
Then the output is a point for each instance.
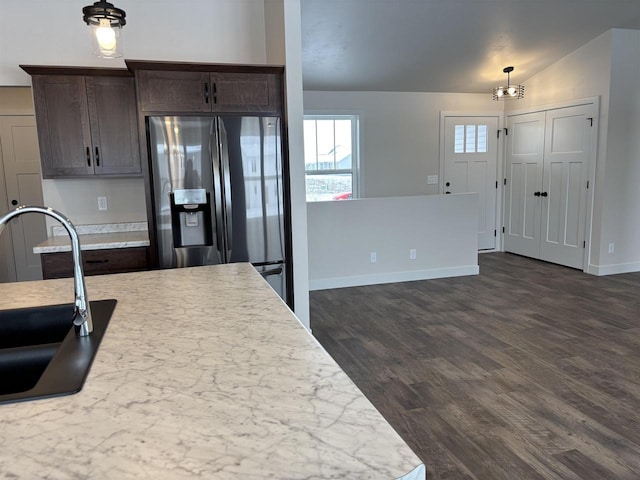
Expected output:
(254, 210)
(185, 190)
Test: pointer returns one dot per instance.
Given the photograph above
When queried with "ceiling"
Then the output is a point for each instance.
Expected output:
(446, 45)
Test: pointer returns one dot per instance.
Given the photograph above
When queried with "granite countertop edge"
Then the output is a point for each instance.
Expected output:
(97, 237)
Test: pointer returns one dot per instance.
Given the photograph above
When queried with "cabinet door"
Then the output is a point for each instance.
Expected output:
(96, 262)
(246, 92)
(63, 125)
(114, 130)
(172, 91)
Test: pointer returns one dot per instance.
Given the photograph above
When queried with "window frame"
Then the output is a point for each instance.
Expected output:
(355, 151)
(467, 147)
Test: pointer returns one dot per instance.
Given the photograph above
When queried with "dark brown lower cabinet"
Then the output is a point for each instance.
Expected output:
(96, 262)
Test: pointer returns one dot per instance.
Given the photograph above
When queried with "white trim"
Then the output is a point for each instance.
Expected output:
(355, 170)
(393, 277)
(613, 269)
(17, 112)
(593, 158)
(555, 106)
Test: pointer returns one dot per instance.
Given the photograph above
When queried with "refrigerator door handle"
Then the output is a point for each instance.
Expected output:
(226, 190)
(273, 271)
(218, 209)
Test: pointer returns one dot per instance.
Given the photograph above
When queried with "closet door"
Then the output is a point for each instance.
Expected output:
(524, 167)
(564, 186)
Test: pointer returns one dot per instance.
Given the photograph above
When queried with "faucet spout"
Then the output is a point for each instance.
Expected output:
(82, 310)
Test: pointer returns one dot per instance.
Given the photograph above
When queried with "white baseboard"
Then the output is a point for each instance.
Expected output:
(614, 269)
(392, 277)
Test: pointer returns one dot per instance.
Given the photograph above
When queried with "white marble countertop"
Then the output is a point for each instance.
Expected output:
(203, 373)
(97, 237)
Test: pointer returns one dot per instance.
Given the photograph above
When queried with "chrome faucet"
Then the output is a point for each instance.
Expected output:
(82, 310)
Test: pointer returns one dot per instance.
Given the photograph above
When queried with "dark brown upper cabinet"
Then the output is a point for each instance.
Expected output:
(184, 88)
(87, 123)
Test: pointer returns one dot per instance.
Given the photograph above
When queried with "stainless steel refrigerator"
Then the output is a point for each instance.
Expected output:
(218, 192)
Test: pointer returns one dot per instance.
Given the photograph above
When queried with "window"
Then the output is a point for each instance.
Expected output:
(470, 139)
(330, 157)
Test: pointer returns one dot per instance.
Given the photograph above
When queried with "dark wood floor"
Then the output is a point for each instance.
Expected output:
(526, 371)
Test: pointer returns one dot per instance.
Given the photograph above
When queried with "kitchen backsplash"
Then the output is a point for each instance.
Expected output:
(78, 200)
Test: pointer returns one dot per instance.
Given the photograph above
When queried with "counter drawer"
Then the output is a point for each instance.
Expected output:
(96, 262)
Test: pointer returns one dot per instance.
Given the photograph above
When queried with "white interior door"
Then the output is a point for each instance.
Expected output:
(23, 181)
(524, 167)
(564, 186)
(547, 167)
(7, 264)
(470, 165)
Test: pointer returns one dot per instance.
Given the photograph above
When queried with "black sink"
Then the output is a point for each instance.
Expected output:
(21, 368)
(35, 326)
(40, 353)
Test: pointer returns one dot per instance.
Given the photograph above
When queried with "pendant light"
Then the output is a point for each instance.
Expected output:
(105, 21)
(510, 91)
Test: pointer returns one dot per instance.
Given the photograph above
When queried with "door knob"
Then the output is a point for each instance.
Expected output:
(14, 202)
(447, 184)
(536, 194)
(544, 194)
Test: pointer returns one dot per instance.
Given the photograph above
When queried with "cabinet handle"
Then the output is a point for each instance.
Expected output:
(97, 157)
(544, 194)
(536, 194)
(104, 260)
(88, 157)
(215, 93)
(206, 92)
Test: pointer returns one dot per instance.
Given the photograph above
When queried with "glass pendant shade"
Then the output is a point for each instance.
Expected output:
(106, 22)
(106, 40)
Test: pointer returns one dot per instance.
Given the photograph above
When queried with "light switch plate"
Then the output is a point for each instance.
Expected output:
(102, 204)
(432, 180)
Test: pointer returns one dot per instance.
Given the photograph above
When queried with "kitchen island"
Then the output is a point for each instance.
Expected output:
(203, 373)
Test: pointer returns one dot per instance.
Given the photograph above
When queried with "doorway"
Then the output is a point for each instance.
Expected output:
(548, 160)
(470, 164)
(22, 185)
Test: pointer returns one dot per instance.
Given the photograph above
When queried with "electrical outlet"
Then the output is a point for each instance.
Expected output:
(102, 204)
(374, 257)
(412, 254)
(432, 179)
(612, 247)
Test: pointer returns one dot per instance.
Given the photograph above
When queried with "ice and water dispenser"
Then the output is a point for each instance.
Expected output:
(191, 217)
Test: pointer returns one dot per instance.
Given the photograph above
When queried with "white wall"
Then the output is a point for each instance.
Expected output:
(399, 134)
(620, 211)
(284, 46)
(46, 33)
(275, 33)
(442, 228)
